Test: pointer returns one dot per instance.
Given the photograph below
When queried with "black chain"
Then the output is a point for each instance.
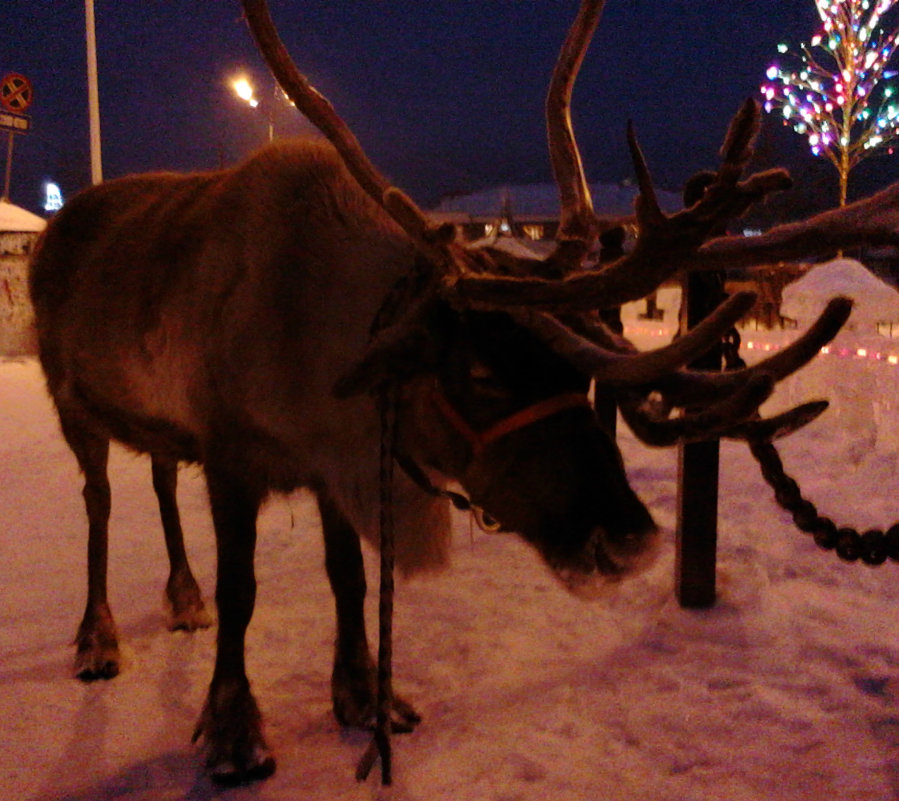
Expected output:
(873, 547)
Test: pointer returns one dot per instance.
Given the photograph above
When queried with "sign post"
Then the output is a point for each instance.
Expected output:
(16, 95)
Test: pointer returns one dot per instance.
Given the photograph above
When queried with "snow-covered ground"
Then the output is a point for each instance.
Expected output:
(787, 689)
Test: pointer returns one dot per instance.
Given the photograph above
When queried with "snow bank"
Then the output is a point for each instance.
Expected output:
(874, 300)
(859, 373)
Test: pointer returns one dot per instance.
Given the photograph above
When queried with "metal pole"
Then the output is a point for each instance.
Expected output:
(93, 94)
(8, 166)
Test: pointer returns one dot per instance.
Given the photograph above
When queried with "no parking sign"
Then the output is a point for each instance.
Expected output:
(16, 93)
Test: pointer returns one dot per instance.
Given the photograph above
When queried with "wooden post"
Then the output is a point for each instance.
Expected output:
(697, 464)
(697, 474)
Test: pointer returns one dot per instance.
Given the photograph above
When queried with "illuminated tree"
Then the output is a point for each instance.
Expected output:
(837, 92)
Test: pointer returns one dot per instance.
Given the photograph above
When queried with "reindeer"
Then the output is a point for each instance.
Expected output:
(252, 320)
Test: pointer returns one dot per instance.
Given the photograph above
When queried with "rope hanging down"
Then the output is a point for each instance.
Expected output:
(380, 745)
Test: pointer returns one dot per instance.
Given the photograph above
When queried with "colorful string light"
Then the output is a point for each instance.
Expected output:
(849, 352)
(837, 93)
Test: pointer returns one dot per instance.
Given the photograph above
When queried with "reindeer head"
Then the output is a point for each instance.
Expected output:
(500, 412)
(494, 354)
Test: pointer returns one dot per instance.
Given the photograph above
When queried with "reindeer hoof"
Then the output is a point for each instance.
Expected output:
(228, 774)
(231, 728)
(98, 653)
(354, 700)
(189, 618)
(404, 718)
(187, 612)
(97, 663)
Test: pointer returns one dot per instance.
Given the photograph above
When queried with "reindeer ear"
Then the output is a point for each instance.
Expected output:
(388, 359)
(411, 346)
(403, 335)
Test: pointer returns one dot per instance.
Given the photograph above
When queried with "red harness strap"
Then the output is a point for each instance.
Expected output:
(520, 419)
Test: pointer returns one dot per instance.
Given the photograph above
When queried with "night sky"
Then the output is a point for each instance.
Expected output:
(446, 96)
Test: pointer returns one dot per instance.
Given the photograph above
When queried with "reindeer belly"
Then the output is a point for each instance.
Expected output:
(138, 394)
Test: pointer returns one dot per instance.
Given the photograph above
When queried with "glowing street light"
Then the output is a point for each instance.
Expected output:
(244, 90)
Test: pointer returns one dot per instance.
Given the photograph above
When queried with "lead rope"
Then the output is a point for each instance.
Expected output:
(380, 745)
(873, 547)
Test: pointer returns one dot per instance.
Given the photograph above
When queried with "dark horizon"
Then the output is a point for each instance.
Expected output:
(446, 97)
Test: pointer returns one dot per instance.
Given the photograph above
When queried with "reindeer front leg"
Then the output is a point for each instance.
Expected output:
(354, 678)
(231, 724)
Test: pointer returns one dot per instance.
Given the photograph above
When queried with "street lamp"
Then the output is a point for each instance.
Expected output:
(244, 90)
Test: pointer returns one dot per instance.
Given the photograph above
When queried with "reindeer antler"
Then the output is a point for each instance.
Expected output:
(873, 221)
(665, 245)
(312, 103)
(687, 239)
(430, 238)
(578, 221)
(579, 225)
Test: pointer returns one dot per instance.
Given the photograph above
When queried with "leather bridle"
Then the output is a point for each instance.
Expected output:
(479, 440)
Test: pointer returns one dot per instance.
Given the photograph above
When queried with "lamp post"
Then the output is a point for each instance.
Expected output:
(93, 95)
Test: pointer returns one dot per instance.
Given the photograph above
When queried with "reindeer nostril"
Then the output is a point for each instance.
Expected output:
(628, 551)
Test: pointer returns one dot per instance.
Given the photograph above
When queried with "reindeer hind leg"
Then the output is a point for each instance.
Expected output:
(183, 598)
(97, 655)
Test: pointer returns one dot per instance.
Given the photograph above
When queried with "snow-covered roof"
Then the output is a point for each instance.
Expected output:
(875, 300)
(15, 219)
(542, 200)
(512, 246)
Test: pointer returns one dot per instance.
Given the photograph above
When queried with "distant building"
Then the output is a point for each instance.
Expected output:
(19, 230)
(531, 211)
(523, 219)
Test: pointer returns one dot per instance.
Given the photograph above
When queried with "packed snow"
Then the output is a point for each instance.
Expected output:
(787, 689)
